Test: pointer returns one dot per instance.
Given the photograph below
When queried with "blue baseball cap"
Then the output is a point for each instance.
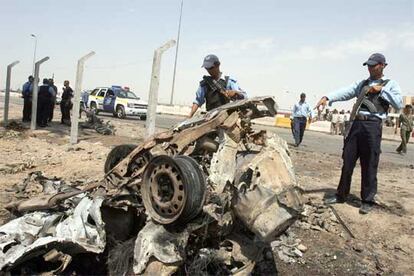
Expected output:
(374, 59)
(210, 61)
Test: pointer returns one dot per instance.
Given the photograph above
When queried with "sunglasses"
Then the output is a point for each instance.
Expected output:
(210, 67)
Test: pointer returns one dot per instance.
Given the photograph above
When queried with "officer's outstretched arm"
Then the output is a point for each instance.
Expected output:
(194, 108)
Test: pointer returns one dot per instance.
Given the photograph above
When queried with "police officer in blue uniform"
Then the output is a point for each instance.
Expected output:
(301, 111)
(27, 97)
(207, 91)
(375, 95)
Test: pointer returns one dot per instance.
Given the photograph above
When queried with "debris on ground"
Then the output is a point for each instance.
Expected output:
(93, 122)
(208, 196)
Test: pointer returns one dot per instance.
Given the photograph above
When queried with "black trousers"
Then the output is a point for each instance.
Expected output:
(27, 109)
(65, 107)
(363, 142)
(51, 110)
(299, 125)
(43, 111)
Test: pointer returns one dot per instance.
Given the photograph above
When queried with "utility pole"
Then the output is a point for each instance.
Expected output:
(7, 95)
(153, 92)
(35, 92)
(176, 53)
(34, 53)
(76, 106)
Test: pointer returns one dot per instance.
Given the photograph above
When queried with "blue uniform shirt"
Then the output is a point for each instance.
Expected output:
(302, 110)
(27, 89)
(231, 85)
(391, 92)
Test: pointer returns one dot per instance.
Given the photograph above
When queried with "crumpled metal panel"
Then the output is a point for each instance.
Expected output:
(27, 236)
(155, 241)
(223, 163)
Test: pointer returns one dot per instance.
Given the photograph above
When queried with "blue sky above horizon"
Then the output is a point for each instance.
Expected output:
(270, 47)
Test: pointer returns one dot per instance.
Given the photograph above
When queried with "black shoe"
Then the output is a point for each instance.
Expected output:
(366, 208)
(334, 200)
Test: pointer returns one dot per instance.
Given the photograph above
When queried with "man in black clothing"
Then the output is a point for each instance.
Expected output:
(44, 99)
(66, 103)
(53, 100)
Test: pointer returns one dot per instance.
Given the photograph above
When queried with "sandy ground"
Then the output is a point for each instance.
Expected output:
(384, 239)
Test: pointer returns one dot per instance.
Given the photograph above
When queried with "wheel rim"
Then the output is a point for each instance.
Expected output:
(172, 190)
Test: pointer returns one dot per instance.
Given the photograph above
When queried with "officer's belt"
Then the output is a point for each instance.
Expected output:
(362, 117)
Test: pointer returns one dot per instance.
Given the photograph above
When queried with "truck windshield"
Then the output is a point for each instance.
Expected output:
(127, 94)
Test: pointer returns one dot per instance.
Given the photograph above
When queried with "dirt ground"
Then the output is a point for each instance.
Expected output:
(384, 239)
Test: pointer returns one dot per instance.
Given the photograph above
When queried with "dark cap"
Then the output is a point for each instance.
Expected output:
(374, 59)
(210, 61)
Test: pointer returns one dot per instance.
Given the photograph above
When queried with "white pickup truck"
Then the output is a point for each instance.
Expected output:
(119, 102)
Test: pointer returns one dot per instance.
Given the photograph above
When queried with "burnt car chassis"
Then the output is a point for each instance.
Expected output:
(207, 196)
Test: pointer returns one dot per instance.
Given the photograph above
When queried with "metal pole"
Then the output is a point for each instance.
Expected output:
(176, 53)
(76, 99)
(153, 92)
(7, 95)
(35, 91)
(34, 54)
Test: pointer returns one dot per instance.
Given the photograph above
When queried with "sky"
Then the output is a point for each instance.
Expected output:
(277, 48)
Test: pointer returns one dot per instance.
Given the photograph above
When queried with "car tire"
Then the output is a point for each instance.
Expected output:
(116, 155)
(143, 117)
(94, 108)
(120, 112)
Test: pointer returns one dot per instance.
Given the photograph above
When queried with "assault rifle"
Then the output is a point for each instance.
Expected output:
(216, 86)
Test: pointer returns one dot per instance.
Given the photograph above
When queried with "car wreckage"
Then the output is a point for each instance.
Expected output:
(205, 197)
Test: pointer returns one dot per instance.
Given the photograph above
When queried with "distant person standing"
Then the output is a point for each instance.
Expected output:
(406, 122)
(53, 100)
(27, 98)
(334, 122)
(44, 99)
(66, 103)
(301, 111)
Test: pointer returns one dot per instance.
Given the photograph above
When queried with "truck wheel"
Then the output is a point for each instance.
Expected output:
(116, 155)
(120, 112)
(94, 108)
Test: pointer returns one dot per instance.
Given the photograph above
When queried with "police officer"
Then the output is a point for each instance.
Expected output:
(208, 91)
(27, 97)
(301, 111)
(363, 140)
(44, 100)
(66, 103)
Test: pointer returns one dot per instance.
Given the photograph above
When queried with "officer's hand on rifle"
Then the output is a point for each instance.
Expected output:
(322, 102)
(230, 93)
(375, 89)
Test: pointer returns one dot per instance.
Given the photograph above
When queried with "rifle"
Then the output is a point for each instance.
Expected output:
(216, 86)
(357, 106)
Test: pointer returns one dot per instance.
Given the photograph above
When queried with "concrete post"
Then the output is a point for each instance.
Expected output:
(35, 91)
(76, 99)
(7, 95)
(153, 91)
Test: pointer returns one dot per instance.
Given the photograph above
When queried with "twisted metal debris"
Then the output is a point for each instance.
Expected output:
(206, 196)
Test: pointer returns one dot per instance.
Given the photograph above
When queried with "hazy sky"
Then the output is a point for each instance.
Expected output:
(269, 46)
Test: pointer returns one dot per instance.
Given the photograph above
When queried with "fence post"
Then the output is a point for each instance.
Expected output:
(153, 91)
(35, 92)
(7, 95)
(76, 104)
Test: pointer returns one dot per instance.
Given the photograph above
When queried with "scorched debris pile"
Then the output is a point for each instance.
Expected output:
(204, 197)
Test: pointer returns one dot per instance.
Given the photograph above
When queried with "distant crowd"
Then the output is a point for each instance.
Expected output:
(46, 101)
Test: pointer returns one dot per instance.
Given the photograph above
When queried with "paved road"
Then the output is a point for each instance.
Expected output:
(313, 141)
